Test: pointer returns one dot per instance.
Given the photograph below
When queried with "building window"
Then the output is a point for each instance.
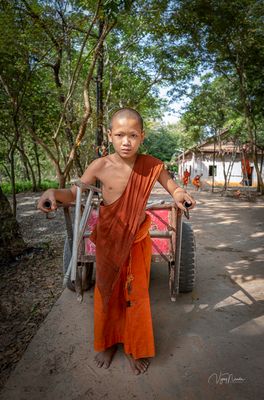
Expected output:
(211, 169)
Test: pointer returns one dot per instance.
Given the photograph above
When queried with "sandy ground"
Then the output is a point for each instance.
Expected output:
(31, 284)
(209, 343)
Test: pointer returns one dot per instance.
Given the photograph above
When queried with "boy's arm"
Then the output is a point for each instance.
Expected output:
(68, 195)
(179, 195)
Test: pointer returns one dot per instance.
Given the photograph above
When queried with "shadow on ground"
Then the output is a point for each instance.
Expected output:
(208, 343)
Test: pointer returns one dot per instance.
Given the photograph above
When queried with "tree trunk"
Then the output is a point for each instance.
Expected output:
(13, 180)
(30, 167)
(11, 241)
(222, 156)
(77, 162)
(246, 101)
(23, 159)
(34, 182)
(213, 177)
(260, 186)
(35, 147)
(99, 89)
(61, 178)
(261, 168)
(62, 181)
(224, 172)
(261, 161)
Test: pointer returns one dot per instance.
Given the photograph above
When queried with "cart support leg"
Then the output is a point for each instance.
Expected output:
(79, 227)
(68, 223)
(175, 263)
(74, 258)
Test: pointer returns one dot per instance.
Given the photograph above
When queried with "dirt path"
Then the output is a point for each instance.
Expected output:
(30, 286)
(209, 343)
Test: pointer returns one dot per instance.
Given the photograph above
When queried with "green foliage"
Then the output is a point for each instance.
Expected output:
(25, 186)
(38, 61)
(226, 37)
(161, 142)
(151, 43)
(215, 105)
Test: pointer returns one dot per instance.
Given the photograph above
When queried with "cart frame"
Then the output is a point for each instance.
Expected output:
(76, 235)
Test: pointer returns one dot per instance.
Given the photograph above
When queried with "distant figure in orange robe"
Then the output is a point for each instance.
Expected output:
(246, 171)
(185, 179)
(122, 312)
(197, 182)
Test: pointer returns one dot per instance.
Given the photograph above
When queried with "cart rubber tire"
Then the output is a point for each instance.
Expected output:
(188, 260)
(87, 273)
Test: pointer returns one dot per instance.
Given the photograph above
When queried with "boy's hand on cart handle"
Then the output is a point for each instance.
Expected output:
(47, 201)
(187, 206)
(183, 200)
(47, 204)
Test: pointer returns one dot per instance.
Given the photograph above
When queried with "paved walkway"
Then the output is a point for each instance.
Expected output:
(209, 343)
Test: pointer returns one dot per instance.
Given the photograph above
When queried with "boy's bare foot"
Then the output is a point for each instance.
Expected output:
(104, 358)
(139, 365)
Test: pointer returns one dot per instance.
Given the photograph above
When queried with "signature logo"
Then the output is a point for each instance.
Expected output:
(224, 378)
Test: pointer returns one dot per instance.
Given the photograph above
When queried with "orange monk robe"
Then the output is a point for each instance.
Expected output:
(119, 313)
(186, 176)
(246, 169)
(128, 319)
(118, 223)
(196, 181)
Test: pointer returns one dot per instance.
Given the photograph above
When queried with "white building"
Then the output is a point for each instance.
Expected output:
(219, 157)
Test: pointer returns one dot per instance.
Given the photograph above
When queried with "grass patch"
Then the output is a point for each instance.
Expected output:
(49, 184)
(24, 186)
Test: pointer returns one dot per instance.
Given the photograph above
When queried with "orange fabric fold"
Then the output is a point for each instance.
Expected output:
(118, 224)
(128, 319)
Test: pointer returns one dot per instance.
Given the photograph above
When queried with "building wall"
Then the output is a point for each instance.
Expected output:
(201, 165)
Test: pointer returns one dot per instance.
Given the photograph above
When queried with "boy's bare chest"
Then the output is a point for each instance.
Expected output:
(114, 182)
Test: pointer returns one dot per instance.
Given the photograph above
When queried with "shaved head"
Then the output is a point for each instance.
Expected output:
(127, 113)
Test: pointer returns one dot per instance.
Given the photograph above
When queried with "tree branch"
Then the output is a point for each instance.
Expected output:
(77, 69)
(87, 104)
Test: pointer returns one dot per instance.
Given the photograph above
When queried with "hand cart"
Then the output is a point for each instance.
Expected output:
(172, 241)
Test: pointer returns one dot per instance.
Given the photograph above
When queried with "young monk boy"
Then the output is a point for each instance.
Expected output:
(197, 182)
(123, 245)
(185, 179)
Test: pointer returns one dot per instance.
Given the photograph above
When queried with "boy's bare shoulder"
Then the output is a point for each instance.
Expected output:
(94, 170)
(99, 166)
(100, 163)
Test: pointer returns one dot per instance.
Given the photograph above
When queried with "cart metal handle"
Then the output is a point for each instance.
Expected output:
(79, 228)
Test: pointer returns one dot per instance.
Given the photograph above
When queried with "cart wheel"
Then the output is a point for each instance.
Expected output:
(87, 270)
(188, 260)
